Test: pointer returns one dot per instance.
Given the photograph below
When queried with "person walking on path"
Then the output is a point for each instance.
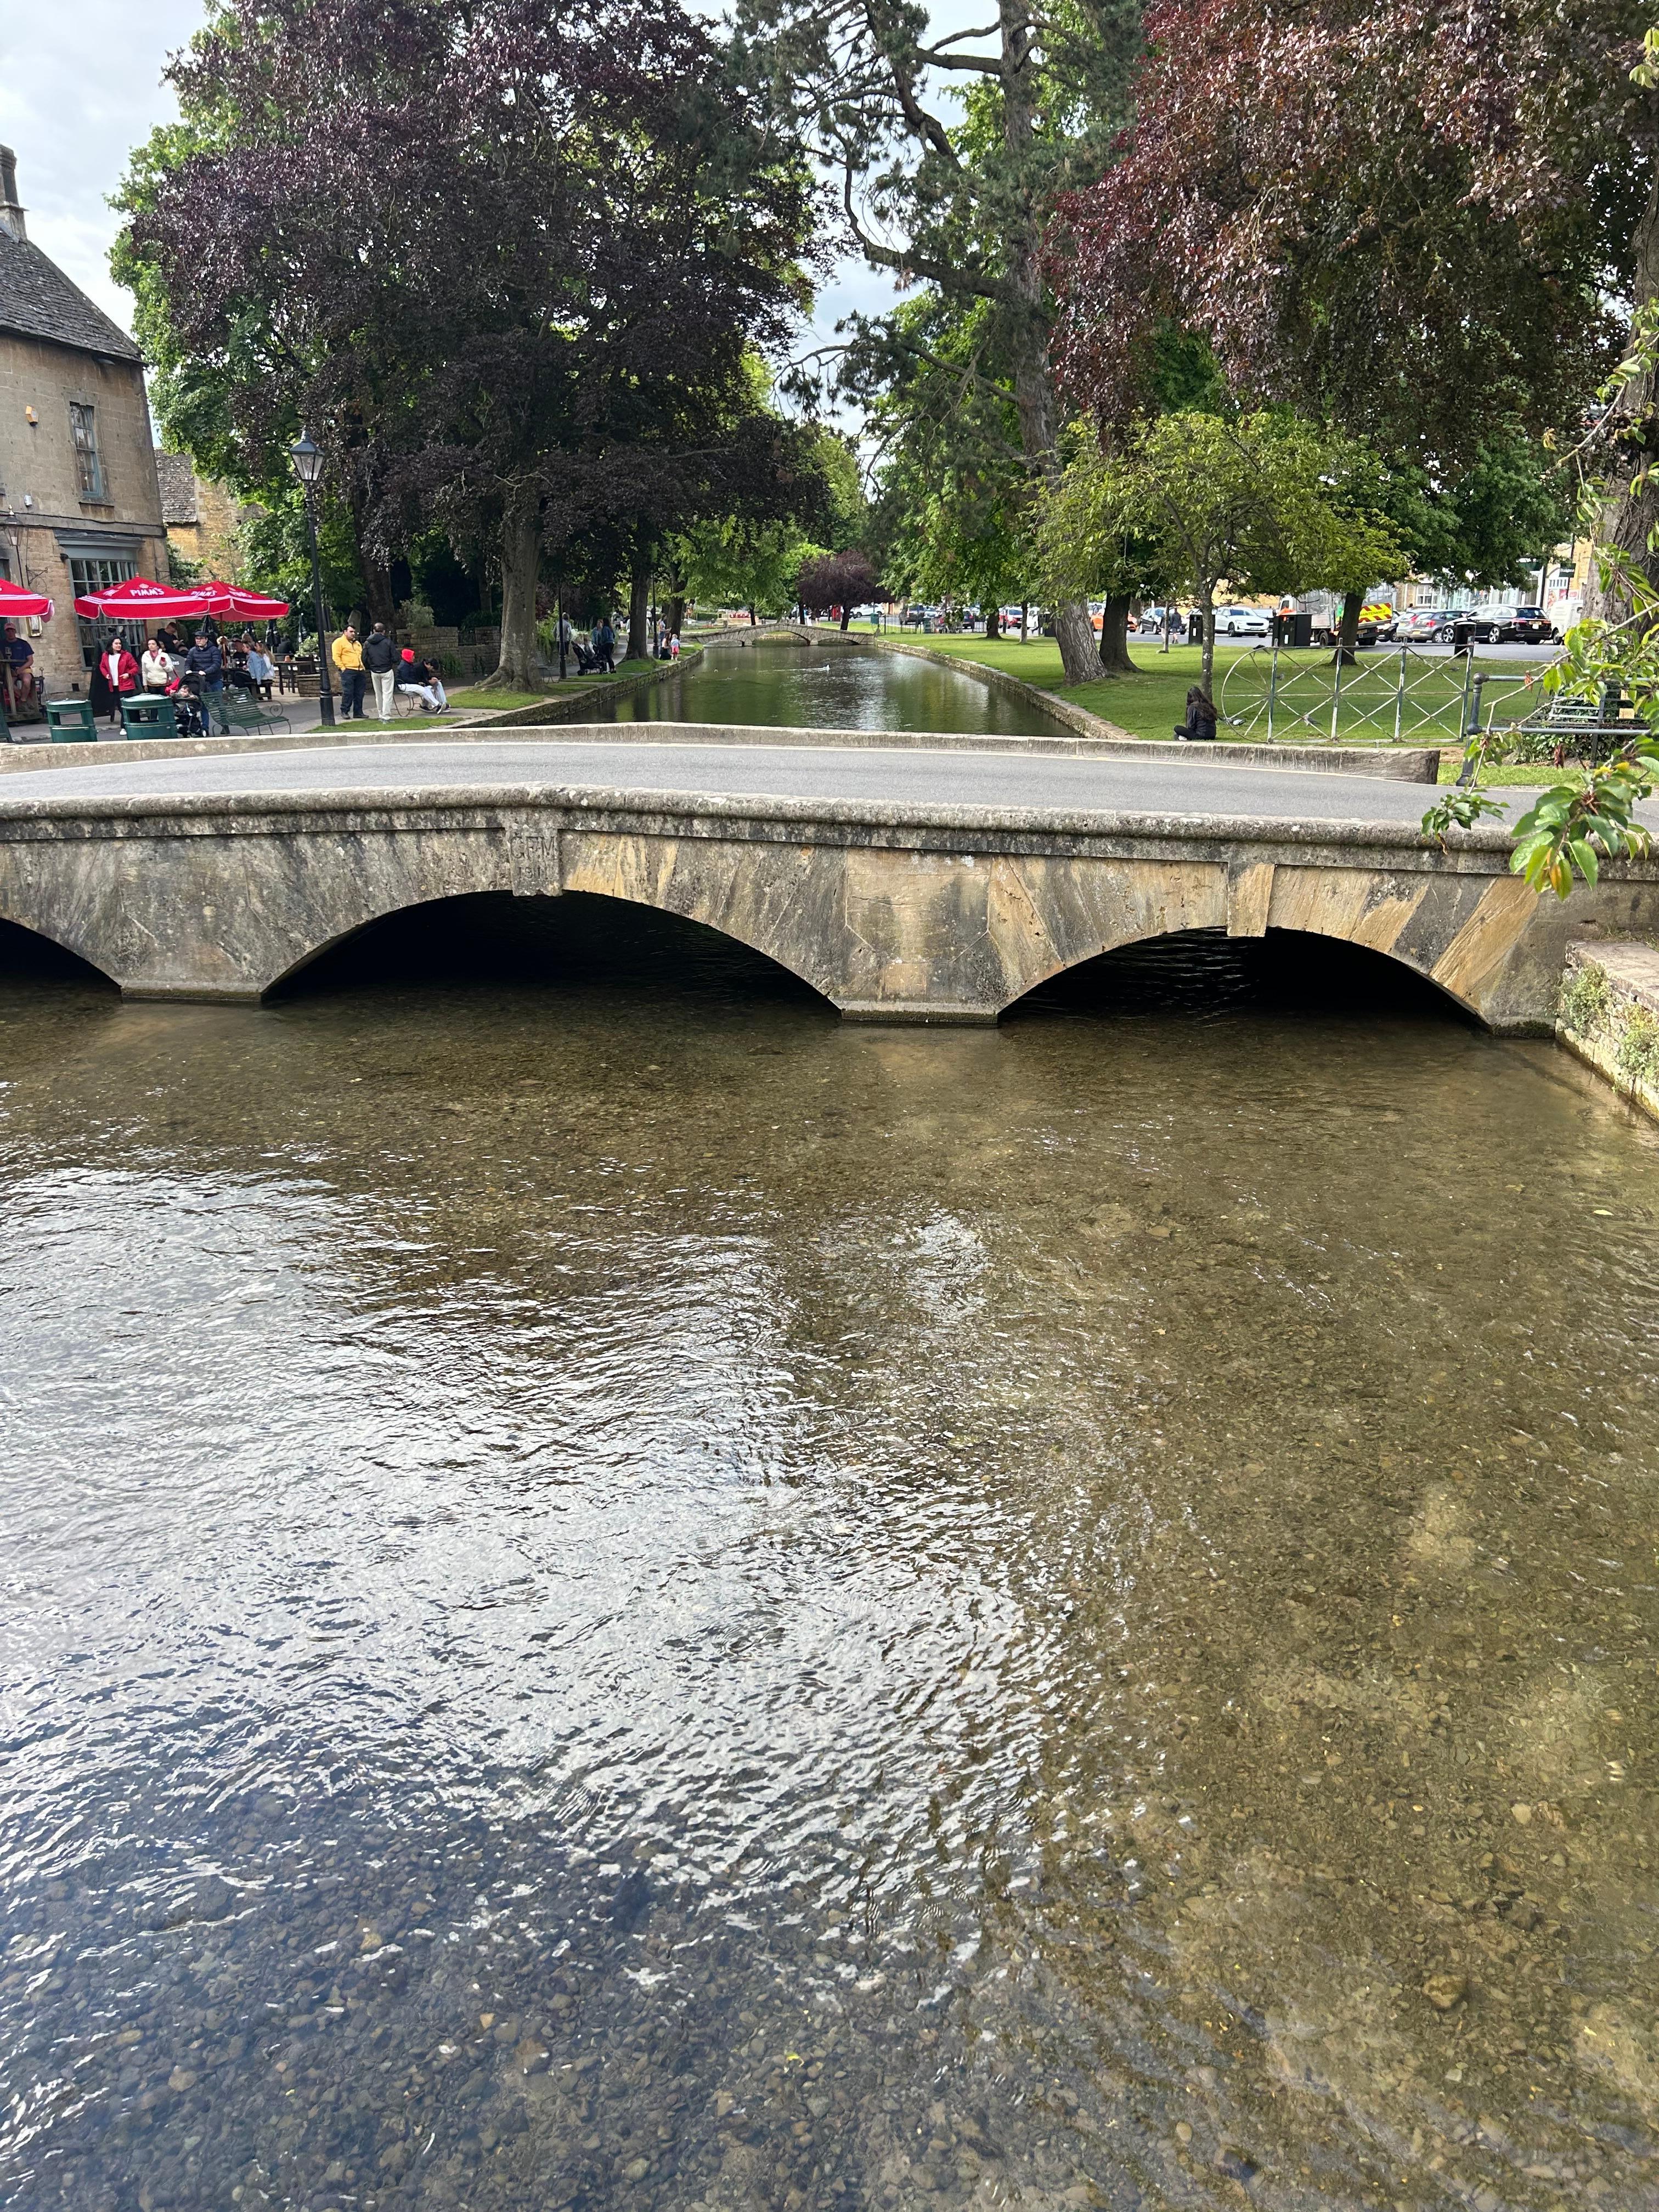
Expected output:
(204, 670)
(605, 645)
(381, 660)
(348, 661)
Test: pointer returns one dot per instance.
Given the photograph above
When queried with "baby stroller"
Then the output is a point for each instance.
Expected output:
(586, 659)
(187, 709)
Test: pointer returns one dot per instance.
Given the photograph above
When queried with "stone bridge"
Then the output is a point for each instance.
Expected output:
(894, 910)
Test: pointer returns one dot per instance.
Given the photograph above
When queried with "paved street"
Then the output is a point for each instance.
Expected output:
(908, 777)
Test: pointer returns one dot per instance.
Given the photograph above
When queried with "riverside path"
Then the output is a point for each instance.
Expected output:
(930, 881)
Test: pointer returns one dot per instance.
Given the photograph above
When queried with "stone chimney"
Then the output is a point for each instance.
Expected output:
(11, 214)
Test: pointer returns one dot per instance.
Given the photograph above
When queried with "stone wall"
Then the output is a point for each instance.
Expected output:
(1609, 1014)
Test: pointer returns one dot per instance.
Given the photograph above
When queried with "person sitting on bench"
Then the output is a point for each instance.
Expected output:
(420, 680)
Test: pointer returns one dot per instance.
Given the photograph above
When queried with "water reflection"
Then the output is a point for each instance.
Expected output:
(622, 1593)
(834, 687)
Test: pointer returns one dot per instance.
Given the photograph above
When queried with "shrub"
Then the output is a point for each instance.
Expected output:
(1584, 998)
(1637, 1056)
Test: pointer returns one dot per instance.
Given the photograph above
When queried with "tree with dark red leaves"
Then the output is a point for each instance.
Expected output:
(507, 264)
(1427, 227)
(837, 579)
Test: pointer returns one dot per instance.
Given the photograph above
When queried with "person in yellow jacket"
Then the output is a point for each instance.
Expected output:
(349, 660)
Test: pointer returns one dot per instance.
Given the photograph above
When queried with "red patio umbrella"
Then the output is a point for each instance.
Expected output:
(138, 599)
(241, 604)
(15, 601)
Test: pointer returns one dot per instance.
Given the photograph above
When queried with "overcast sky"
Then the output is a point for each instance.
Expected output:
(81, 86)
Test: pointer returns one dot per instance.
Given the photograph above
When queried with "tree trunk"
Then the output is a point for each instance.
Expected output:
(376, 574)
(1207, 675)
(1624, 523)
(1025, 619)
(520, 668)
(1347, 628)
(1115, 638)
(993, 623)
(751, 617)
(1034, 391)
(845, 614)
(1079, 649)
(638, 609)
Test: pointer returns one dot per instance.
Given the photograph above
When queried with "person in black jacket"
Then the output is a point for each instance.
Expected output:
(204, 673)
(1200, 716)
(381, 660)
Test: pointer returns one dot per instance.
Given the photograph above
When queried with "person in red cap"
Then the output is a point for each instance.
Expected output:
(422, 680)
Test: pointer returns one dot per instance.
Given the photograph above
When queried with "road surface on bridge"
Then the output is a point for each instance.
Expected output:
(1204, 787)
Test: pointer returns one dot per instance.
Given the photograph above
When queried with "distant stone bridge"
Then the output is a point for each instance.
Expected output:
(893, 912)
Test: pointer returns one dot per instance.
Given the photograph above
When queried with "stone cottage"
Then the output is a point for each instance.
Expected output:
(80, 505)
(205, 520)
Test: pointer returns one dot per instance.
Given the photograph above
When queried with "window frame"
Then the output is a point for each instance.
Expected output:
(94, 573)
(91, 483)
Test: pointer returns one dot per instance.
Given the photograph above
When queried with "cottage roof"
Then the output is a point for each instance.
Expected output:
(38, 301)
(178, 481)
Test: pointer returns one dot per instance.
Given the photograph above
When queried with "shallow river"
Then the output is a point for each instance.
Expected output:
(832, 687)
(618, 1593)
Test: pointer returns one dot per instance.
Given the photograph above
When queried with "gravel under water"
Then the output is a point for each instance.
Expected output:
(617, 1593)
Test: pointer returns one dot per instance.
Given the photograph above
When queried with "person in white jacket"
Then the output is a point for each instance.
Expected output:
(155, 668)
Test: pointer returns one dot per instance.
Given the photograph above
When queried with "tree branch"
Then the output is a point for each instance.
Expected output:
(949, 277)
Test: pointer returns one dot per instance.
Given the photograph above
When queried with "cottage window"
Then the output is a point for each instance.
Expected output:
(88, 575)
(88, 468)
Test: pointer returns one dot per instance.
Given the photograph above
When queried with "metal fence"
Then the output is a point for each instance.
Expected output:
(1401, 695)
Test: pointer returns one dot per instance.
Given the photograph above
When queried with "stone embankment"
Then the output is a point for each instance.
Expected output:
(1609, 1014)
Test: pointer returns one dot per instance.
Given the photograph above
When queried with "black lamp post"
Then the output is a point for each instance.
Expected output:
(307, 460)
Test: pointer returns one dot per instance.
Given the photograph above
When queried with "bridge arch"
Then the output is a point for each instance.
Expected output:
(577, 935)
(27, 948)
(1199, 967)
(1462, 932)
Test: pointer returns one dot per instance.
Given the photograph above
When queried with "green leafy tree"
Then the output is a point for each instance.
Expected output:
(738, 560)
(949, 153)
(1263, 502)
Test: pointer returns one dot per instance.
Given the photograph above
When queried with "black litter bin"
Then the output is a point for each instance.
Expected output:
(1293, 630)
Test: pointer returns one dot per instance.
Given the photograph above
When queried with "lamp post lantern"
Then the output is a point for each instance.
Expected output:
(307, 460)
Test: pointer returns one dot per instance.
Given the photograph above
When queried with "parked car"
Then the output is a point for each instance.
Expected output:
(1514, 626)
(1441, 623)
(1417, 625)
(1242, 622)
